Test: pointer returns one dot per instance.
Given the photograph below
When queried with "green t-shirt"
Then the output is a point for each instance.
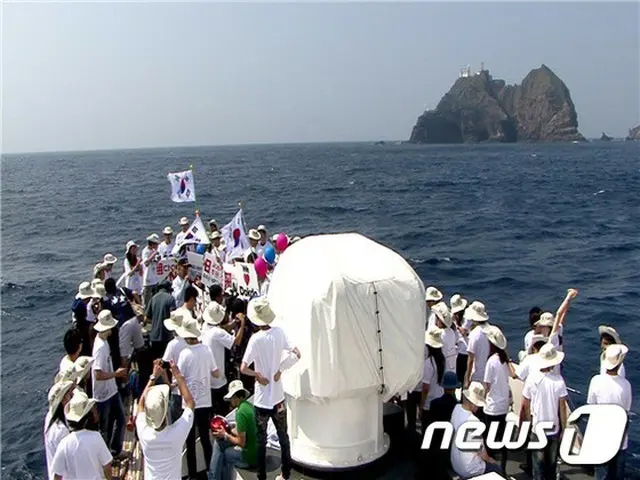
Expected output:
(246, 423)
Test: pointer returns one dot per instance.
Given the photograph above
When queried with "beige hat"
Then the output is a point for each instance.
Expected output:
(496, 337)
(443, 313)
(79, 406)
(82, 366)
(167, 231)
(109, 259)
(537, 337)
(57, 393)
(95, 282)
(458, 303)
(614, 355)
(84, 291)
(215, 235)
(130, 244)
(476, 312)
(259, 312)
(433, 337)
(105, 321)
(213, 222)
(546, 320)
(274, 238)
(153, 238)
(235, 387)
(189, 328)
(213, 314)
(254, 234)
(100, 291)
(433, 295)
(156, 405)
(184, 221)
(548, 356)
(174, 321)
(475, 394)
(609, 331)
(67, 374)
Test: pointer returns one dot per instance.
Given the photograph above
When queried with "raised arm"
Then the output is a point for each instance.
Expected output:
(562, 310)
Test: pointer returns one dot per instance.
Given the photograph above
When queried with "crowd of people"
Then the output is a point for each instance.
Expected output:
(195, 366)
(193, 369)
(464, 350)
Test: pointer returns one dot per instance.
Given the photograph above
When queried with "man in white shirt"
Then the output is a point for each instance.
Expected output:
(611, 389)
(162, 443)
(609, 336)
(544, 399)
(172, 354)
(167, 244)
(184, 226)
(213, 225)
(82, 454)
(181, 282)
(432, 296)
(444, 320)
(264, 242)
(105, 390)
(523, 369)
(198, 366)
(218, 339)
(150, 259)
(469, 464)
(252, 253)
(131, 339)
(265, 350)
(477, 344)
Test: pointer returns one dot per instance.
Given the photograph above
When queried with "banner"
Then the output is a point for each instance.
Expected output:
(164, 269)
(244, 280)
(196, 234)
(195, 260)
(235, 237)
(183, 188)
(212, 271)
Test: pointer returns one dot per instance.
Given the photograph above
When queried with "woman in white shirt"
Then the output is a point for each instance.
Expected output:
(496, 384)
(55, 425)
(133, 269)
(609, 336)
(433, 371)
(458, 306)
(444, 320)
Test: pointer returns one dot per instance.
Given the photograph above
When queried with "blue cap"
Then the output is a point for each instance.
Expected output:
(450, 380)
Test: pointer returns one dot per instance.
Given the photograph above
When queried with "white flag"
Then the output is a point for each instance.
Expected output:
(183, 188)
(235, 237)
(196, 234)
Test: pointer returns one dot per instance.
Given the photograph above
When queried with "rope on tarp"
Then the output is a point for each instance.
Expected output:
(383, 386)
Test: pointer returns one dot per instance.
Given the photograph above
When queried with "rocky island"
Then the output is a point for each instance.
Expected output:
(479, 108)
(634, 133)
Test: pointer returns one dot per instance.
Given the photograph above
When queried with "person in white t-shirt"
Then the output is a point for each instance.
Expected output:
(198, 366)
(523, 369)
(150, 259)
(611, 389)
(172, 354)
(181, 282)
(496, 385)
(82, 454)
(265, 350)
(544, 399)
(458, 306)
(432, 296)
(444, 320)
(166, 246)
(162, 443)
(264, 242)
(55, 424)
(432, 373)
(250, 254)
(218, 339)
(184, 226)
(552, 326)
(469, 464)
(609, 336)
(105, 390)
(534, 316)
(478, 344)
(132, 269)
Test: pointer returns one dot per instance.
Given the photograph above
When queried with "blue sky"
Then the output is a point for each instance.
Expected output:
(115, 75)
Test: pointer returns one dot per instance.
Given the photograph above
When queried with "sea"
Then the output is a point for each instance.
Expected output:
(513, 226)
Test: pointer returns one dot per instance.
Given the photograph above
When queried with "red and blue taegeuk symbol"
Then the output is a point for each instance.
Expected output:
(236, 237)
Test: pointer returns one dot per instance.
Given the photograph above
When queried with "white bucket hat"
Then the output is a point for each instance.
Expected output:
(443, 313)
(100, 291)
(476, 312)
(235, 387)
(475, 394)
(189, 328)
(67, 374)
(433, 337)
(259, 312)
(213, 314)
(274, 238)
(154, 238)
(215, 235)
(458, 303)
(174, 321)
(57, 393)
(84, 291)
(110, 259)
(79, 406)
(184, 221)
(156, 405)
(130, 244)
(546, 320)
(548, 356)
(262, 228)
(433, 295)
(254, 234)
(82, 367)
(105, 321)
(538, 337)
(213, 222)
(95, 282)
(609, 331)
(167, 231)
(614, 355)
(496, 337)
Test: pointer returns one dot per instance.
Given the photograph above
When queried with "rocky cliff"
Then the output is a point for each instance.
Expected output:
(634, 133)
(478, 108)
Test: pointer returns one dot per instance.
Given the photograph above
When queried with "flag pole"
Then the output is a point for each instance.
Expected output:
(241, 205)
(194, 187)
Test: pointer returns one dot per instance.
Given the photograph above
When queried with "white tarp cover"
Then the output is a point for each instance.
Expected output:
(322, 292)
